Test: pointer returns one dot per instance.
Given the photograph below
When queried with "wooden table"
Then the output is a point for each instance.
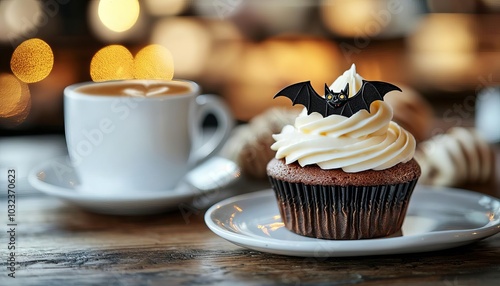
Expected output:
(58, 244)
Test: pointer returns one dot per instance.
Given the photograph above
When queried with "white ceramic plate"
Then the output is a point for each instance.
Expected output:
(57, 178)
(437, 218)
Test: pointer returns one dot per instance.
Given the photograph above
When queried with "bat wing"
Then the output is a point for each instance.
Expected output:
(370, 91)
(304, 94)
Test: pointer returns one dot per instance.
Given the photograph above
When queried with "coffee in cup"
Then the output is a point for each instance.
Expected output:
(139, 135)
(134, 88)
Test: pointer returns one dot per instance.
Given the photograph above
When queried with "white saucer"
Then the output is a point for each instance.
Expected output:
(22, 153)
(58, 178)
(437, 218)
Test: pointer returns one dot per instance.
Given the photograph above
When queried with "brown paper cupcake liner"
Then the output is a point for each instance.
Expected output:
(342, 212)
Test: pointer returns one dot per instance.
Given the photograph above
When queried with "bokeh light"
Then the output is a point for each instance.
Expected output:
(493, 5)
(103, 33)
(46, 103)
(118, 15)
(261, 17)
(188, 40)
(346, 17)
(278, 16)
(219, 9)
(267, 67)
(165, 7)
(154, 62)
(15, 100)
(4, 28)
(225, 49)
(10, 94)
(19, 18)
(32, 60)
(22, 113)
(443, 48)
(365, 19)
(112, 62)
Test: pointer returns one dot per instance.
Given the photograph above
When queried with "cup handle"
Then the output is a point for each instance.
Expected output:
(209, 104)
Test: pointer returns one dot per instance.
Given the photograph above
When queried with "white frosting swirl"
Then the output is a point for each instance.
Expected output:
(348, 77)
(364, 141)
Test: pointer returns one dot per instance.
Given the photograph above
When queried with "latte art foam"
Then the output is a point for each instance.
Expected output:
(146, 91)
(135, 89)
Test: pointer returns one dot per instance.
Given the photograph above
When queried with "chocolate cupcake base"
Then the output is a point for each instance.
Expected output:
(342, 212)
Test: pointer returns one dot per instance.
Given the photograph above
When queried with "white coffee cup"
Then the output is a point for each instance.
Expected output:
(141, 140)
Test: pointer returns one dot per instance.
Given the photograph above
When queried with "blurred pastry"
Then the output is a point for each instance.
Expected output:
(249, 145)
(457, 157)
(412, 112)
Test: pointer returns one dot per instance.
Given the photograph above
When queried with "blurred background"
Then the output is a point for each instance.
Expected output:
(446, 51)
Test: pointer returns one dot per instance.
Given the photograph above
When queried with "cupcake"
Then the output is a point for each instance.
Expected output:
(344, 170)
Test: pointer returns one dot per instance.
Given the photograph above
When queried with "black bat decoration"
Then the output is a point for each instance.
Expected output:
(337, 102)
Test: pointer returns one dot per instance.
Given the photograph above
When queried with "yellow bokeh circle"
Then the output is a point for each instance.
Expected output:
(154, 62)
(112, 62)
(118, 15)
(32, 60)
(15, 102)
(10, 94)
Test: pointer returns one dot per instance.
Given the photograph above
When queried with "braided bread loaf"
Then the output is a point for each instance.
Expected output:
(249, 145)
(459, 156)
